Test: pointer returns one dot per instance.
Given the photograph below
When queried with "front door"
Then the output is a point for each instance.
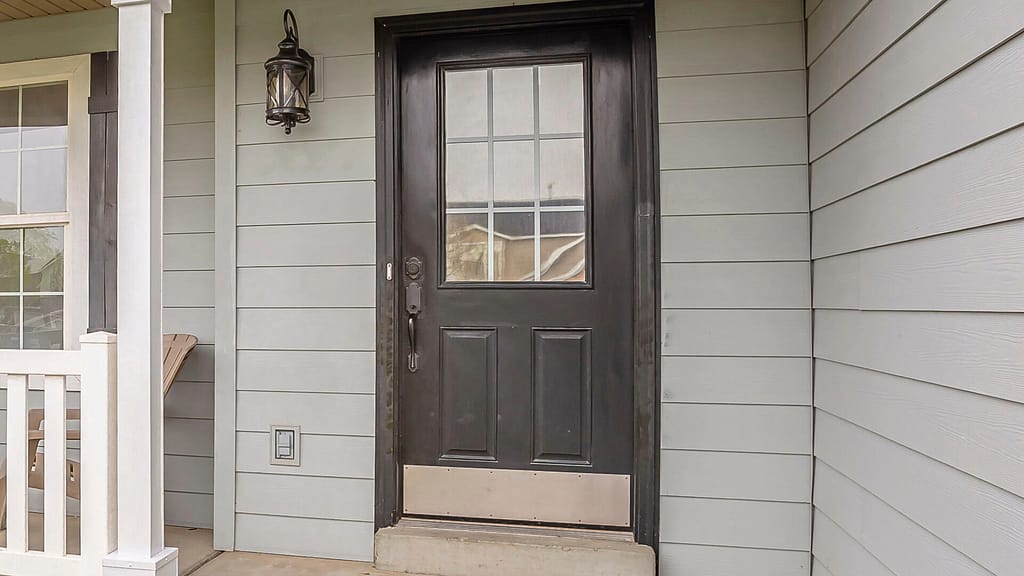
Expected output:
(515, 268)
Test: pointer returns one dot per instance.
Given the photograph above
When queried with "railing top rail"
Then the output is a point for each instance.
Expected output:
(45, 362)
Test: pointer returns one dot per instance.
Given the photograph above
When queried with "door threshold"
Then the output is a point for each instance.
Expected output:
(519, 529)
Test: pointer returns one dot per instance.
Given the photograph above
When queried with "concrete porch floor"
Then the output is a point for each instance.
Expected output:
(249, 564)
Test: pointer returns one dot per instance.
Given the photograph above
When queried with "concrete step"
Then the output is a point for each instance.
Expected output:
(448, 549)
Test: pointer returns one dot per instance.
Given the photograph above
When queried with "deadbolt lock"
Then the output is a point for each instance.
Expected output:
(413, 268)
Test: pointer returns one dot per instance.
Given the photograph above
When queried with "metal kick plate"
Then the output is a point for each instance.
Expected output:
(518, 495)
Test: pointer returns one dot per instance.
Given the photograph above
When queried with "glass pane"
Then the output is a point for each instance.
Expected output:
(44, 180)
(465, 103)
(44, 259)
(44, 115)
(10, 260)
(465, 177)
(8, 182)
(10, 314)
(44, 322)
(514, 173)
(466, 247)
(513, 247)
(513, 101)
(563, 247)
(8, 119)
(561, 98)
(562, 172)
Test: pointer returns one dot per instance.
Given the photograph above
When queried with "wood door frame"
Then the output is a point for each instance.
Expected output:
(639, 16)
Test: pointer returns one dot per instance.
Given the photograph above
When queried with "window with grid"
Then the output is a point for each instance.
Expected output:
(33, 214)
(515, 164)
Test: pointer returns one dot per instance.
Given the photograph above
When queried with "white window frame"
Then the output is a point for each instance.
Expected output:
(75, 71)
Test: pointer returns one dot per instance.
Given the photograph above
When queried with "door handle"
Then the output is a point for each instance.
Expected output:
(413, 306)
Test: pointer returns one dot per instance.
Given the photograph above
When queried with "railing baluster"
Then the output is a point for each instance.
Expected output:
(17, 463)
(55, 469)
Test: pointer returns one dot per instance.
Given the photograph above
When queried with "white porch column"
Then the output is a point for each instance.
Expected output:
(140, 498)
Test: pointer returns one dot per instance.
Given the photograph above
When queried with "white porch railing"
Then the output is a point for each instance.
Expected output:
(96, 364)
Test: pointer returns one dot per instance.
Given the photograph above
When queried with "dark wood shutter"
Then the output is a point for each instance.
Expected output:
(103, 193)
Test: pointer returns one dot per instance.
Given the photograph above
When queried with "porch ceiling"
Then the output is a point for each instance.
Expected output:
(21, 9)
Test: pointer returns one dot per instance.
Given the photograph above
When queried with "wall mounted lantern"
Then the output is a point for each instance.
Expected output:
(290, 80)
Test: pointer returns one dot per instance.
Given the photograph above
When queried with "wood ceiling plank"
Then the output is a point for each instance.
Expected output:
(12, 12)
(67, 5)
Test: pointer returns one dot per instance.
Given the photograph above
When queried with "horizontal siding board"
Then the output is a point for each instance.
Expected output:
(318, 538)
(734, 143)
(340, 414)
(306, 329)
(189, 104)
(189, 400)
(734, 428)
(736, 332)
(188, 509)
(198, 366)
(819, 569)
(188, 214)
(897, 541)
(734, 380)
(188, 178)
(188, 288)
(336, 118)
(827, 22)
(983, 521)
(975, 270)
(188, 437)
(736, 285)
(188, 252)
(736, 475)
(195, 321)
(188, 141)
(322, 203)
(329, 456)
(732, 97)
(975, 352)
(695, 14)
(986, 99)
(958, 32)
(188, 474)
(319, 161)
(283, 495)
(731, 50)
(257, 21)
(778, 525)
(879, 25)
(312, 287)
(979, 435)
(754, 190)
(689, 559)
(839, 550)
(746, 237)
(306, 371)
(974, 187)
(313, 244)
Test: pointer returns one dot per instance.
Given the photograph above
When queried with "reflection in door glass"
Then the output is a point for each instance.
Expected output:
(516, 171)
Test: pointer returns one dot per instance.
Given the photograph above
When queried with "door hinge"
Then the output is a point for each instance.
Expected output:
(388, 271)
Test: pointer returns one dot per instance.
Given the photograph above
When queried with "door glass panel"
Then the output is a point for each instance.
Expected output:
(515, 174)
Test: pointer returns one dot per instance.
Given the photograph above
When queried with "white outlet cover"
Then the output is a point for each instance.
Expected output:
(285, 445)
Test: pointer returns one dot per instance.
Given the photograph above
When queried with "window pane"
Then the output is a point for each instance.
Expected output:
(44, 259)
(513, 247)
(466, 247)
(44, 115)
(561, 98)
(514, 173)
(44, 180)
(10, 260)
(8, 119)
(513, 101)
(44, 322)
(465, 103)
(465, 177)
(562, 172)
(10, 314)
(8, 182)
(563, 247)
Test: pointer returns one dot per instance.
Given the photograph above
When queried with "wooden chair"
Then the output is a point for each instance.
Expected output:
(175, 350)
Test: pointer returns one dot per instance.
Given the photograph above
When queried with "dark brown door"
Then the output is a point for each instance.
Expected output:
(516, 255)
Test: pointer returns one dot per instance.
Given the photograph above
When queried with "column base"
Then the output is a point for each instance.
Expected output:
(163, 563)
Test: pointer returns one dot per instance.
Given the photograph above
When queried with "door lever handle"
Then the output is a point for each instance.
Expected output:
(413, 306)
